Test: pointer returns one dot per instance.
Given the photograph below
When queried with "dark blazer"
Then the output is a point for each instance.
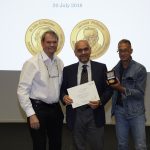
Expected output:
(98, 73)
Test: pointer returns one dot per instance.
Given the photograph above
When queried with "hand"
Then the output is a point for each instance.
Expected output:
(67, 100)
(117, 86)
(94, 104)
(34, 122)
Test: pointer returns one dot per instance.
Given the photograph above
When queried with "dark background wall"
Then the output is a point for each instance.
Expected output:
(15, 136)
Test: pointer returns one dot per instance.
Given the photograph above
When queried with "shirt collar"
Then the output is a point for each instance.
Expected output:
(130, 62)
(81, 64)
(46, 58)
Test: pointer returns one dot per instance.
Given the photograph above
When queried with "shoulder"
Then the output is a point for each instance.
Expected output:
(137, 63)
(31, 62)
(138, 66)
(60, 62)
(71, 66)
(117, 66)
(98, 64)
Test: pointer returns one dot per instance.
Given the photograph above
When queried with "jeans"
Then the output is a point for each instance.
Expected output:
(137, 127)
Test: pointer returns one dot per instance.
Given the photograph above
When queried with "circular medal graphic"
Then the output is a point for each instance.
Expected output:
(35, 31)
(95, 32)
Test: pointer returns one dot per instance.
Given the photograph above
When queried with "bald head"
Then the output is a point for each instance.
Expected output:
(83, 51)
(80, 42)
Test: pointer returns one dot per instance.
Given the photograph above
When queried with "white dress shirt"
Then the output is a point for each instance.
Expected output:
(40, 79)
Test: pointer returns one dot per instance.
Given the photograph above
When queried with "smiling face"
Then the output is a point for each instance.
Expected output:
(125, 51)
(49, 44)
(83, 51)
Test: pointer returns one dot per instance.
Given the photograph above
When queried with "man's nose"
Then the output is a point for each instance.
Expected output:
(83, 51)
(52, 44)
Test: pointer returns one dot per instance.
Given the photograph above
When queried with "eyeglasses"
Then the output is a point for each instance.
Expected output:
(123, 50)
(80, 50)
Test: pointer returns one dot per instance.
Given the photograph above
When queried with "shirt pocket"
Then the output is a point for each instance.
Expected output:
(129, 82)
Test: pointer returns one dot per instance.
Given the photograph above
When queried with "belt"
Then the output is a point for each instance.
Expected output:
(40, 102)
(84, 107)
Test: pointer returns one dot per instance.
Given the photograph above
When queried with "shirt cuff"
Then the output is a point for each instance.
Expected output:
(30, 112)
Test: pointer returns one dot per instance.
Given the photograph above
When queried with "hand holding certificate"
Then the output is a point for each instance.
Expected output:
(83, 94)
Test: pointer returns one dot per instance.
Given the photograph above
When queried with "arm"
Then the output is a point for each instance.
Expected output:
(139, 87)
(23, 92)
(140, 84)
(107, 90)
(65, 99)
(24, 87)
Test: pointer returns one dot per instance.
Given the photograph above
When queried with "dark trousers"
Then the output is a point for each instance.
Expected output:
(51, 121)
(85, 132)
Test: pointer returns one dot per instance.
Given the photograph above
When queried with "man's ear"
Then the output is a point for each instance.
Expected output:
(75, 52)
(90, 50)
(42, 43)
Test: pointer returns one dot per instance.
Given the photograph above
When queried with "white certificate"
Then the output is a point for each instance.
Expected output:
(83, 93)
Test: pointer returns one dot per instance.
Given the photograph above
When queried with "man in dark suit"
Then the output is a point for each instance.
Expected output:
(87, 121)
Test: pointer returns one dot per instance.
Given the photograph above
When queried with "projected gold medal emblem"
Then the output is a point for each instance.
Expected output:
(35, 31)
(95, 32)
